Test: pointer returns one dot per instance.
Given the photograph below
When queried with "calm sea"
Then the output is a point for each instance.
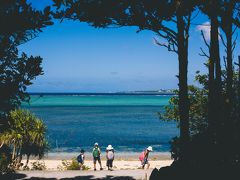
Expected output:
(128, 122)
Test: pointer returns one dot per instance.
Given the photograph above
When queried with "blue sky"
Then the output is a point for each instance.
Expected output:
(80, 58)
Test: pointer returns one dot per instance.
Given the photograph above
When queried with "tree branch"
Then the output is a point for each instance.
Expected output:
(225, 45)
(168, 46)
(234, 43)
(225, 62)
(204, 39)
(203, 53)
(188, 26)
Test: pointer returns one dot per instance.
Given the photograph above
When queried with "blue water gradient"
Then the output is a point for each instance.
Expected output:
(129, 123)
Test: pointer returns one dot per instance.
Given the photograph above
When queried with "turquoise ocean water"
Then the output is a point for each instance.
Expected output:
(128, 122)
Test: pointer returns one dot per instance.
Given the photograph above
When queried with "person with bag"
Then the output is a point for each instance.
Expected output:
(144, 157)
(96, 156)
(81, 158)
(110, 157)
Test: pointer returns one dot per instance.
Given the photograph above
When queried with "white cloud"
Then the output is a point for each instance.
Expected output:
(205, 28)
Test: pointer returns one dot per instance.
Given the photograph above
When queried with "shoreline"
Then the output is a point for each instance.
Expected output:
(118, 155)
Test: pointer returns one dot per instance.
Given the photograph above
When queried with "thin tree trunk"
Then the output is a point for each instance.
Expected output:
(183, 88)
(227, 28)
(28, 156)
(214, 78)
(239, 79)
(216, 119)
(1, 145)
(229, 68)
(14, 152)
(211, 77)
(219, 109)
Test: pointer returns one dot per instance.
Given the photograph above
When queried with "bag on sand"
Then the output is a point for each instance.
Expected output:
(96, 152)
(141, 157)
(110, 155)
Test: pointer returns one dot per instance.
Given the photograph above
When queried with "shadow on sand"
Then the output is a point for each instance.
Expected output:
(23, 176)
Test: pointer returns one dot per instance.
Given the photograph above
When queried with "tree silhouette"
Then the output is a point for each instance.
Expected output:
(19, 23)
(229, 16)
(220, 109)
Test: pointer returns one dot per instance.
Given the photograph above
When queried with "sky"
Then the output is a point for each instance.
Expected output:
(80, 58)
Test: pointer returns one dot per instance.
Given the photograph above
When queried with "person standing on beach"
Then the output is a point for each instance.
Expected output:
(110, 157)
(96, 156)
(81, 158)
(144, 157)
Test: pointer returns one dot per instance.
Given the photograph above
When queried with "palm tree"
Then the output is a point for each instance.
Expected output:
(26, 135)
(38, 143)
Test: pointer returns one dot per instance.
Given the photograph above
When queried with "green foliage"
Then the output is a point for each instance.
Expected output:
(71, 165)
(197, 112)
(37, 165)
(85, 167)
(25, 136)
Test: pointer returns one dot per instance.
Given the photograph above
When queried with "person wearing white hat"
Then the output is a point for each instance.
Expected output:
(96, 156)
(144, 159)
(110, 157)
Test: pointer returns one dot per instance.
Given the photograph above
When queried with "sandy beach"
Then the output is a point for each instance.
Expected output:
(125, 166)
(56, 165)
(123, 169)
(123, 161)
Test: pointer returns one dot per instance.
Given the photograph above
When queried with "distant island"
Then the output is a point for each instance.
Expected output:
(148, 92)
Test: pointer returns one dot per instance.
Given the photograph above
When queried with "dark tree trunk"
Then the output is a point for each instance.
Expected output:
(214, 79)
(216, 109)
(229, 123)
(239, 78)
(27, 161)
(229, 69)
(183, 87)
(211, 77)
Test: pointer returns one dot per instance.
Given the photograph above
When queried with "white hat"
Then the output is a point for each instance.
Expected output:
(109, 147)
(96, 144)
(149, 148)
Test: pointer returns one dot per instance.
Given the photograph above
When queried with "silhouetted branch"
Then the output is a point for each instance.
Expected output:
(234, 30)
(203, 53)
(225, 45)
(225, 62)
(238, 64)
(167, 36)
(170, 47)
(188, 19)
(169, 31)
(236, 21)
(234, 43)
(204, 39)
(173, 20)
(195, 15)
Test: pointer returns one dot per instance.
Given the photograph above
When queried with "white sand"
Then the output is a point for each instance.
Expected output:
(125, 165)
(53, 165)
